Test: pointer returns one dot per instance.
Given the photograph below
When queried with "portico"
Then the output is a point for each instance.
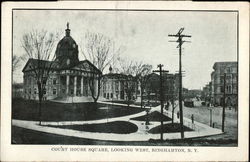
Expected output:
(75, 83)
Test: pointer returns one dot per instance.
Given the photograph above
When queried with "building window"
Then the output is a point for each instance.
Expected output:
(228, 89)
(107, 95)
(104, 95)
(228, 79)
(54, 81)
(54, 91)
(222, 89)
(72, 91)
(221, 79)
(111, 95)
(116, 86)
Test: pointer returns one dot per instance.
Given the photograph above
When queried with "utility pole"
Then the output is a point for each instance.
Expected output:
(224, 104)
(161, 94)
(180, 42)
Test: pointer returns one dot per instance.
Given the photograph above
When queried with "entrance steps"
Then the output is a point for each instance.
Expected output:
(74, 99)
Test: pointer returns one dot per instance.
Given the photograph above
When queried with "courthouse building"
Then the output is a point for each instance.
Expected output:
(68, 77)
(231, 84)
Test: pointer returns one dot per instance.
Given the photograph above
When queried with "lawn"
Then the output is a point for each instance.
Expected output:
(154, 116)
(119, 127)
(52, 111)
(169, 128)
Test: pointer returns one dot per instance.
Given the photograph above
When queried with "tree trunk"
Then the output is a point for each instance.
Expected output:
(92, 88)
(40, 96)
(141, 96)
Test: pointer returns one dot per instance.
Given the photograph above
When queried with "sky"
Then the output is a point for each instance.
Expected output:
(144, 34)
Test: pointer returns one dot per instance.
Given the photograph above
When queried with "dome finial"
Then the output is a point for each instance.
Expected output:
(110, 69)
(67, 30)
(67, 25)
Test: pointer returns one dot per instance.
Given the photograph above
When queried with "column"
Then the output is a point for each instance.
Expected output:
(67, 84)
(96, 86)
(119, 90)
(75, 80)
(88, 93)
(81, 85)
(58, 87)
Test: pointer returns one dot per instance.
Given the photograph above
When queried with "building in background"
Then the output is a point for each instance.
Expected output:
(193, 93)
(118, 86)
(231, 84)
(170, 87)
(206, 94)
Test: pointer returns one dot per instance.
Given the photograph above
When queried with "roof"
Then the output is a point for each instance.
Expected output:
(225, 63)
(66, 42)
(92, 65)
(54, 65)
(41, 63)
(117, 75)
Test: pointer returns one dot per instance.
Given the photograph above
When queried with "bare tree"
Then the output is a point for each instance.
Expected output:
(131, 69)
(153, 85)
(173, 95)
(95, 80)
(101, 51)
(16, 60)
(140, 71)
(38, 46)
(143, 77)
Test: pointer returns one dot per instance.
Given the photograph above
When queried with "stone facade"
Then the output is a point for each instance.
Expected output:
(217, 83)
(118, 87)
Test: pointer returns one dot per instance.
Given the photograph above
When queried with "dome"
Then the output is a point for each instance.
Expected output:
(67, 51)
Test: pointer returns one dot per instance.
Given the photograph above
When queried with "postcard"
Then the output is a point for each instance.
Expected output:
(125, 81)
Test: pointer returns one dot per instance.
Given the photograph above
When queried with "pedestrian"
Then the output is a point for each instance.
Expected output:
(178, 114)
(192, 118)
(166, 107)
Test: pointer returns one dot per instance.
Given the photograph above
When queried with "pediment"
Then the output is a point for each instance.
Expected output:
(28, 66)
(84, 66)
